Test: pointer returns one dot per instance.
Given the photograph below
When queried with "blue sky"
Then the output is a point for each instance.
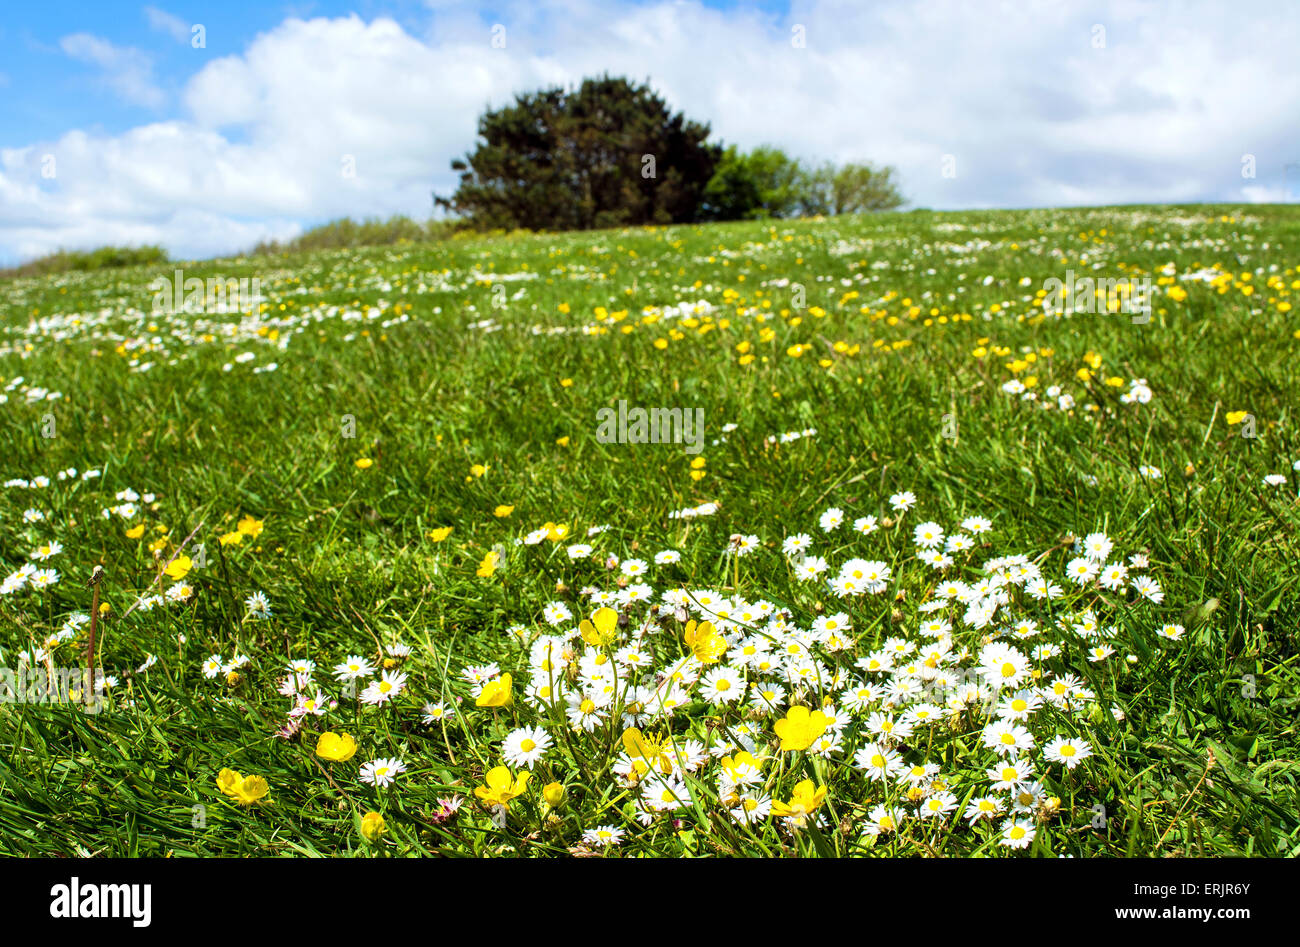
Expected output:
(114, 128)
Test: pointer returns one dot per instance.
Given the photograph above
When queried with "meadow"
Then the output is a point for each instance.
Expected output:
(953, 572)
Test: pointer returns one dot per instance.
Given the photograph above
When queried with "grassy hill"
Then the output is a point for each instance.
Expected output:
(397, 455)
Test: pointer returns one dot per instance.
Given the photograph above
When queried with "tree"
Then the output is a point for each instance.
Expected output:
(762, 183)
(766, 182)
(851, 189)
(609, 153)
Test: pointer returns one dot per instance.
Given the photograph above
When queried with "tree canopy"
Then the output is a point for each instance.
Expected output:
(611, 153)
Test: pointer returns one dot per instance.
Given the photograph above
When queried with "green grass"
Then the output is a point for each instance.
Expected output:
(1204, 761)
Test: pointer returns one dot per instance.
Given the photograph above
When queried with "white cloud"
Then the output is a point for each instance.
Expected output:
(127, 71)
(1033, 113)
(168, 23)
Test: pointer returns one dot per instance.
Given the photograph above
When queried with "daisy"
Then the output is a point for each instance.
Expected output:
(389, 685)
(751, 809)
(938, 806)
(353, 668)
(722, 685)
(1019, 706)
(1113, 576)
(667, 557)
(1068, 751)
(258, 605)
(52, 548)
(984, 807)
(1100, 653)
(1017, 833)
(1082, 570)
(525, 746)
(811, 567)
(883, 821)
(797, 545)
(1009, 774)
(584, 712)
(604, 835)
(1097, 546)
(959, 542)
(902, 502)
(1148, 588)
(556, 613)
(432, 713)
(927, 535)
(831, 519)
(879, 762)
(1005, 738)
(381, 772)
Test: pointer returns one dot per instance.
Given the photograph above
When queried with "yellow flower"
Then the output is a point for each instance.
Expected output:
(603, 631)
(227, 780)
(232, 539)
(179, 567)
(503, 510)
(245, 790)
(135, 532)
(799, 728)
(251, 790)
(806, 800)
(562, 441)
(555, 532)
(499, 788)
(704, 641)
(478, 470)
(553, 793)
(1177, 294)
(439, 534)
(495, 693)
(331, 746)
(488, 565)
(250, 527)
(372, 826)
(744, 758)
(1236, 417)
(566, 382)
(647, 752)
(363, 462)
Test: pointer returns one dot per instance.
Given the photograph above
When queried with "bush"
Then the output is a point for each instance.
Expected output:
(67, 261)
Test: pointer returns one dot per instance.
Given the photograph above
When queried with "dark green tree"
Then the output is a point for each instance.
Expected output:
(609, 153)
